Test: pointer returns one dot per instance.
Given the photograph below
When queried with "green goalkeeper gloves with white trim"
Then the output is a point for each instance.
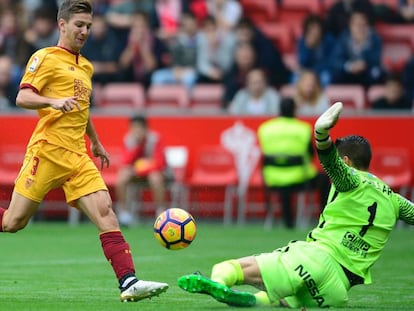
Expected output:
(324, 123)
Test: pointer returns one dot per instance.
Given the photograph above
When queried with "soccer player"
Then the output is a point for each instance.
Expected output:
(57, 83)
(337, 254)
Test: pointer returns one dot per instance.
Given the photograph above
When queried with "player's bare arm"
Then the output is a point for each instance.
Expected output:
(28, 99)
(97, 148)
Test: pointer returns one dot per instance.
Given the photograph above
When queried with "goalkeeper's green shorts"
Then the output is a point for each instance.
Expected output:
(303, 275)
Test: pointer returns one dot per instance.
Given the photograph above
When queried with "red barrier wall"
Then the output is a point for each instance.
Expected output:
(194, 131)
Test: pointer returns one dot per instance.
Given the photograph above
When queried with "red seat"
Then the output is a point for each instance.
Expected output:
(396, 33)
(215, 168)
(374, 92)
(167, 97)
(395, 55)
(121, 95)
(207, 97)
(311, 6)
(279, 34)
(260, 10)
(393, 166)
(352, 96)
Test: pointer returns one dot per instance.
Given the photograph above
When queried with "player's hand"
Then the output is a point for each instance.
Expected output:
(65, 104)
(329, 118)
(99, 151)
(324, 123)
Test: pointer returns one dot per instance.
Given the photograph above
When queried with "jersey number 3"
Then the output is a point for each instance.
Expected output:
(372, 212)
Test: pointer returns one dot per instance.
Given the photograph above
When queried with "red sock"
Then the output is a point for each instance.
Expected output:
(2, 210)
(118, 253)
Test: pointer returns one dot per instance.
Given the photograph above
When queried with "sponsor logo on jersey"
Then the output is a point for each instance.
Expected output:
(311, 286)
(355, 243)
(34, 64)
(29, 182)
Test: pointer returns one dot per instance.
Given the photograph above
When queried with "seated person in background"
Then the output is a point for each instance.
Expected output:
(286, 146)
(143, 54)
(183, 51)
(309, 97)
(214, 52)
(408, 78)
(42, 31)
(245, 59)
(143, 160)
(167, 17)
(227, 13)
(356, 58)
(314, 48)
(268, 56)
(337, 17)
(394, 96)
(103, 50)
(406, 10)
(8, 90)
(257, 98)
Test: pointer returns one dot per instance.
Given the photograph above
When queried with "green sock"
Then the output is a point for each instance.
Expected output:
(228, 273)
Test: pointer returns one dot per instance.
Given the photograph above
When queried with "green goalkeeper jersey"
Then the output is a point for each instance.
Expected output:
(359, 216)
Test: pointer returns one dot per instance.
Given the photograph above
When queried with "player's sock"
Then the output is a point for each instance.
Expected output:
(126, 281)
(228, 273)
(2, 210)
(118, 253)
(262, 299)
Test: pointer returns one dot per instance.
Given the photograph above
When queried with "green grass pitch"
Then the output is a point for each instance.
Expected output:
(51, 266)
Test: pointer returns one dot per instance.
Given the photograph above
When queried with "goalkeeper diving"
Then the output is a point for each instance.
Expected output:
(337, 254)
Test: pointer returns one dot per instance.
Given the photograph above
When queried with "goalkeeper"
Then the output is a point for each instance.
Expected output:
(337, 254)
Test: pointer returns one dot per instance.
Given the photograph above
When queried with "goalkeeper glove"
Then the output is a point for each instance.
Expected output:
(324, 123)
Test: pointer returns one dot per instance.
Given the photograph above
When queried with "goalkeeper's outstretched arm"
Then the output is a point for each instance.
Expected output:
(324, 123)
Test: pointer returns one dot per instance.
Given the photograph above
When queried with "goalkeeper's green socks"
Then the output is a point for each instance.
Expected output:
(228, 273)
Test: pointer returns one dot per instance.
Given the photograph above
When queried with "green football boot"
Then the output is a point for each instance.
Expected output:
(196, 283)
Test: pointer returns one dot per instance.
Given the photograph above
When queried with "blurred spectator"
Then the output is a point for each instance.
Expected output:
(143, 160)
(168, 16)
(121, 13)
(8, 90)
(244, 60)
(394, 96)
(315, 47)
(183, 51)
(257, 98)
(406, 10)
(42, 31)
(9, 32)
(356, 58)
(101, 7)
(268, 56)
(337, 17)
(309, 97)
(102, 49)
(143, 54)
(198, 8)
(227, 13)
(408, 78)
(214, 52)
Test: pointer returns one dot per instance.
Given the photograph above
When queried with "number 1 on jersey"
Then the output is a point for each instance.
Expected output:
(372, 212)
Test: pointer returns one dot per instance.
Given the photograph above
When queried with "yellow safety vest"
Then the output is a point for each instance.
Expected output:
(285, 146)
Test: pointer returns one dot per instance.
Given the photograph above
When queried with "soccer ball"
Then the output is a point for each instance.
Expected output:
(175, 229)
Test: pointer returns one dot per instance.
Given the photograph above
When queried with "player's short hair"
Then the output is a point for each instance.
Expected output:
(139, 119)
(357, 149)
(287, 107)
(71, 7)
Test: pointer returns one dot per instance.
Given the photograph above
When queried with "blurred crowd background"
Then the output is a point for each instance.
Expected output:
(255, 51)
